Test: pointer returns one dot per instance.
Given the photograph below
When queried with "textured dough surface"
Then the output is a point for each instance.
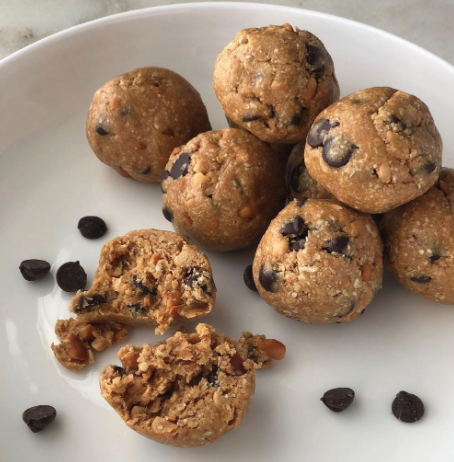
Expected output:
(419, 242)
(375, 149)
(274, 81)
(222, 189)
(136, 120)
(319, 262)
(148, 277)
(188, 390)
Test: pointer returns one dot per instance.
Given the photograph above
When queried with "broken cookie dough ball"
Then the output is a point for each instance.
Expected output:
(222, 189)
(274, 81)
(136, 120)
(191, 389)
(79, 339)
(148, 277)
(300, 185)
(419, 242)
(319, 262)
(375, 149)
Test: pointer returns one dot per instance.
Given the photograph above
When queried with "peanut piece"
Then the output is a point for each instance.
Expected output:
(366, 273)
(384, 173)
(86, 333)
(100, 344)
(129, 360)
(76, 349)
(246, 212)
(273, 348)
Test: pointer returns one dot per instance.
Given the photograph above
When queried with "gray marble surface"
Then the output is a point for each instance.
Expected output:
(428, 23)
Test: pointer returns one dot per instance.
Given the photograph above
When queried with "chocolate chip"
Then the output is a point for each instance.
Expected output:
(146, 170)
(138, 284)
(87, 304)
(101, 131)
(295, 177)
(250, 118)
(349, 310)
(39, 417)
(237, 184)
(337, 153)
(435, 256)
(92, 227)
(430, 167)
(297, 118)
(421, 279)
(337, 244)
(356, 101)
(296, 226)
(318, 132)
(362, 311)
(137, 309)
(407, 407)
(32, 270)
(71, 277)
(126, 111)
(213, 376)
(191, 279)
(168, 214)
(338, 399)
(249, 279)
(267, 279)
(297, 245)
(165, 175)
(119, 370)
(181, 166)
(396, 121)
(315, 58)
(300, 202)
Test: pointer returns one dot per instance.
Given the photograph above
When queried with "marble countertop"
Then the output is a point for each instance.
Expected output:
(427, 23)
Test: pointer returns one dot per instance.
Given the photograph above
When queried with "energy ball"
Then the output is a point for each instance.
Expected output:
(138, 118)
(221, 190)
(319, 262)
(300, 185)
(375, 149)
(274, 81)
(419, 242)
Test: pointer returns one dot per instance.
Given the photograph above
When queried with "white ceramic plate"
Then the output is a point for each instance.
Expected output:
(49, 179)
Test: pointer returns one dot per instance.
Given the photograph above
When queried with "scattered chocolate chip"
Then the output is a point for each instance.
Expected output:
(267, 279)
(249, 279)
(434, 257)
(237, 184)
(119, 370)
(168, 214)
(86, 304)
(126, 111)
(250, 118)
(337, 244)
(300, 202)
(181, 166)
(337, 153)
(101, 131)
(137, 309)
(296, 226)
(315, 58)
(362, 311)
(407, 407)
(138, 284)
(191, 279)
(430, 167)
(32, 270)
(210, 196)
(38, 418)
(71, 277)
(356, 101)
(213, 376)
(146, 170)
(421, 279)
(165, 175)
(396, 121)
(297, 118)
(295, 177)
(92, 227)
(338, 399)
(318, 132)
(168, 132)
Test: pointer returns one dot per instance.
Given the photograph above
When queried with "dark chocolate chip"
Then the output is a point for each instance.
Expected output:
(138, 284)
(318, 133)
(300, 202)
(250, 118)
(267, 279)
(337, 244)
(237, 184)
(407, 407)
(434, 257)
(296, 226)
(249, 279)
(213, 376)
(315, 58)
(87, 304)
(165, 175)
(119, 370)
(362, 311)
(32, 270)
(395, 120)
(210, 196)
(338, 399)
(39, 417)
(337, 154)
(191, 279)
(181, 166)
(430, 167)
(126, 111)
(356, 101)
(349, 310)
(298, 118)
(137, 309)
(297, 244)
(168, 214)
(146, 170)
(295, 177)
(71, 277)
(101, 131)
(421, 279)
(92, 227)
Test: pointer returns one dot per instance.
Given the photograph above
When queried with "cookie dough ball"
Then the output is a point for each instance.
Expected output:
(375, 149)
(419, 242)
(189, 390)
(148, 277)
(222, 189)
(138, 118)
(300, 185)
(319, 262)
(274, 81)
